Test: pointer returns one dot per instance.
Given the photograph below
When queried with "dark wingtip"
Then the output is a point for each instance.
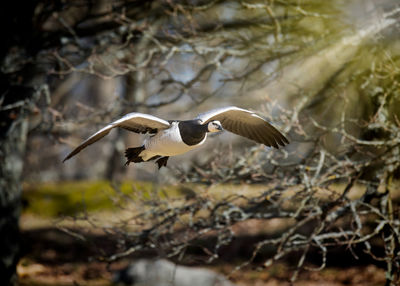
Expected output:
(280, 142)
(285, 140)
(73, 153)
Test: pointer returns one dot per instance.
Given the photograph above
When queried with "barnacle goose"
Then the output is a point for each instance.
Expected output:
(174, 137)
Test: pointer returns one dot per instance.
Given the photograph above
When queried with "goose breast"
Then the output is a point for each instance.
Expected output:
(167, 142)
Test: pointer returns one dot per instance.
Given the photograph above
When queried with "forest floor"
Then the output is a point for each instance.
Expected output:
(54, 256)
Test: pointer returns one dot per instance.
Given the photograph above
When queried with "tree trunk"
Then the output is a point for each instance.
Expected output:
(12, 146)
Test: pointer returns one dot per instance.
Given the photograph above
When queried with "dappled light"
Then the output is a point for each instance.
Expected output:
(321, 208)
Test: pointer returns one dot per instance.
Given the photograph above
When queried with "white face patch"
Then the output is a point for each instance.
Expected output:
(214, 126)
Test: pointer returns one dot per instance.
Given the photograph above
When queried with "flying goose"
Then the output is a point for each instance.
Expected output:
(174, 137)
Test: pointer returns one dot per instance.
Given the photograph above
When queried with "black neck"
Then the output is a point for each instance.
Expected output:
(192, 132)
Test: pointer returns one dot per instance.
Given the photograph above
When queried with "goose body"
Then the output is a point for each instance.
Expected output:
(175, 137)
(169, 142)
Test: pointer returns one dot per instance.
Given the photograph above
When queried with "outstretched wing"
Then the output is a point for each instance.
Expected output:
(136, 122)
(247, 124)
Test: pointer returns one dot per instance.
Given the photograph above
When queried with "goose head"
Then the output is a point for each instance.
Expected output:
(214, 126)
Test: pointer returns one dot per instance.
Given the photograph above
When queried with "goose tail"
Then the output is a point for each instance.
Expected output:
(133, 155)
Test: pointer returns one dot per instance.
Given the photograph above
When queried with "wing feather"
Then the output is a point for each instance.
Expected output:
(136, 122)
(247, 124)
(264, 137)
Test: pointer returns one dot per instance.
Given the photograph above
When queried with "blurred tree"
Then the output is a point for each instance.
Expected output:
(258, 50)
(29, 35)
(16, 95)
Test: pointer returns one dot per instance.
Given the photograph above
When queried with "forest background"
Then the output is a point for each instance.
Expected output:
(324, 208)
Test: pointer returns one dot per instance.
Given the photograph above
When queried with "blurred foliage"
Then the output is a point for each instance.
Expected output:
(326, 72)
(75, 197)
(72, 198)
(69, 198)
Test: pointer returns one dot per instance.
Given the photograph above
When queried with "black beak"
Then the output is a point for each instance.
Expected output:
(220, 128)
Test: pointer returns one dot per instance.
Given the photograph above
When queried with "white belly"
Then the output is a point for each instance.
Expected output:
(166, 143)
